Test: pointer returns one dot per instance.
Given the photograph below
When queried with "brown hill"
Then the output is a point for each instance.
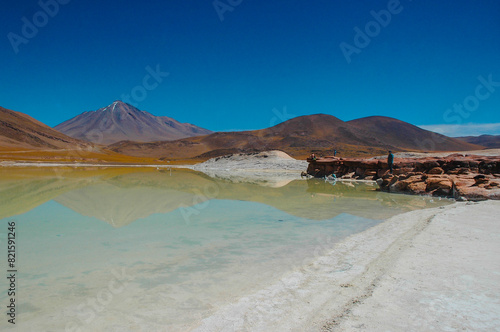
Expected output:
(407, 136)
(319, 133)
(489, 141)
(120, 121)
(20, 131)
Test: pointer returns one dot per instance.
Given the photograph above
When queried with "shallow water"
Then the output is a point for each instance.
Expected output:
(138, 249)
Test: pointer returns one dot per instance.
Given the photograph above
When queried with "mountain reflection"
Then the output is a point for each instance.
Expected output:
(122, 196)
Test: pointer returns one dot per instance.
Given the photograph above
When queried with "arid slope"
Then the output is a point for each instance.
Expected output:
(18, 130)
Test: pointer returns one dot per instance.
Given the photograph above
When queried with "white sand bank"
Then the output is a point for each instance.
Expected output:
(270, 168)
(267, 160)
(436, 269)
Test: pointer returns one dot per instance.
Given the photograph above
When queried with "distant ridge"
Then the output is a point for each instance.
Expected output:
(120, 121)
(319, 133)
(489, 141)
(404, 135)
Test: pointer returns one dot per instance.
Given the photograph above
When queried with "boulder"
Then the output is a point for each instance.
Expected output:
(398, 186)
(417, 188)
(436, 170)
(429, 164)
(382, 172)
(439, 183)
(403, 170)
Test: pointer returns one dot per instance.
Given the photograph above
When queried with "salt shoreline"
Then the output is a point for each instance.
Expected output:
(428, 269)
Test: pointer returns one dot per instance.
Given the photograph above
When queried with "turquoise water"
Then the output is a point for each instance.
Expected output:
(148, 250)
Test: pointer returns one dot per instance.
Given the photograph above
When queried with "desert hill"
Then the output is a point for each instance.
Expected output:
(319, 133)
(489, 141)
(120, 121)
(407, 136)
(20, 131)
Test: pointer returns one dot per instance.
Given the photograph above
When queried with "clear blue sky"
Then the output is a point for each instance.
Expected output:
(263, 56)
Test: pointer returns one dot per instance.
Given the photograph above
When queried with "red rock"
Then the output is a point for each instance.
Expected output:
(436, 170)
(414, 178)
(403, 170)
(417, 188)
(428, 164)
(382, 172)
(438, 183)
(454, 175)
(399, 186)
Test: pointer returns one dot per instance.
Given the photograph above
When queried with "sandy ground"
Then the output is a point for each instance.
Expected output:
(427, 270)
(444, 278)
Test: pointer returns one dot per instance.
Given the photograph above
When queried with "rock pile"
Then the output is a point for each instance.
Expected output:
(463, 177)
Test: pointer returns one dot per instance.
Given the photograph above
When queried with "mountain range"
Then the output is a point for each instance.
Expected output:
(120, 121)
(318, 133)
(489, 141)
(107, 128)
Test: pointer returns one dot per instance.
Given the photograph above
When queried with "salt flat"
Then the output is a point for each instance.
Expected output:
(435, 269)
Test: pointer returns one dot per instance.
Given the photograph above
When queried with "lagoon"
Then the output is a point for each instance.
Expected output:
(146, 249)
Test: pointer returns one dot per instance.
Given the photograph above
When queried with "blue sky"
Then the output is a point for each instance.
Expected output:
(251, 64)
